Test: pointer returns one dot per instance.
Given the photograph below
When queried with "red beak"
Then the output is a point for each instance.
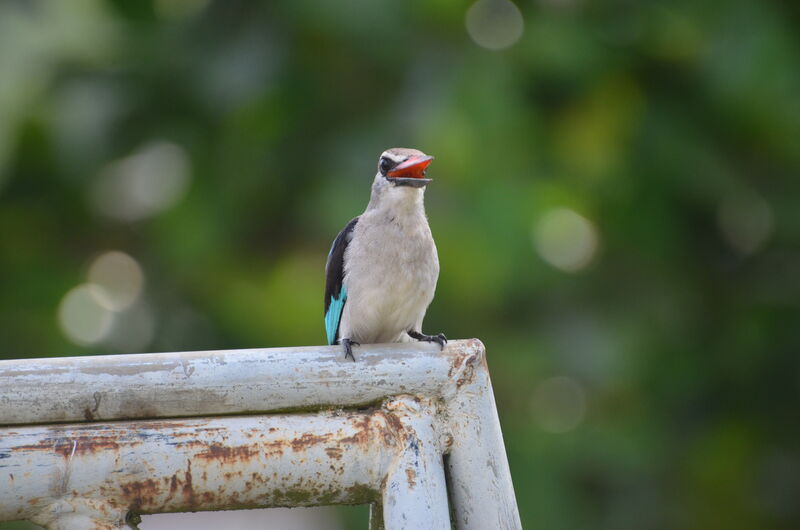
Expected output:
(414, 168)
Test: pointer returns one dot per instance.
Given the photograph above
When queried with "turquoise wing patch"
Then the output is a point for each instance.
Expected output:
(334, 315)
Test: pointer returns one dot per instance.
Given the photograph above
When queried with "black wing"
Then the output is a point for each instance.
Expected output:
(335, 293)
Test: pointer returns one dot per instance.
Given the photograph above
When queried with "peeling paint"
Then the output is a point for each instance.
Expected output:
(334, 452)
(411, 474)
(335, 435)
(228, 454)
(220, 382)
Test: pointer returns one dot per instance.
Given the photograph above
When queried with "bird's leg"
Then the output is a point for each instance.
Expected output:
(440, 339)
(347, 346)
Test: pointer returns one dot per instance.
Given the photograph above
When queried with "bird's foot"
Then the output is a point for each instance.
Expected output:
(347, 346)
(440, 339)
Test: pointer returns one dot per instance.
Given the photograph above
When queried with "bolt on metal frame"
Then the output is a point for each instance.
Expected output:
(92, 442)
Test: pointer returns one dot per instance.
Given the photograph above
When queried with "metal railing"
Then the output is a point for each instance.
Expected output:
(93, 442)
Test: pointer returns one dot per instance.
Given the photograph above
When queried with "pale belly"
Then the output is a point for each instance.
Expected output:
(389, 293)
(385, 311)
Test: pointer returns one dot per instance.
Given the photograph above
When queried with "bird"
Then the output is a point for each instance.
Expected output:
(382, 268)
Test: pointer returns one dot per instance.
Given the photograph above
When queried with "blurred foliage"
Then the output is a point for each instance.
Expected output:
(670, 128)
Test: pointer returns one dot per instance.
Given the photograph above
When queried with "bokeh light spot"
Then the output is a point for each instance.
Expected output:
(494, 24)
(565, 239)
(119, 278)
(82, 318)
(745, 220)
(144, 184)
(558, 404)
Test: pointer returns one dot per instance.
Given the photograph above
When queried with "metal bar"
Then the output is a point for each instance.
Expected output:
(480, 480)
(61, 475)
(186, 384)
(409, 483)
(415, 491)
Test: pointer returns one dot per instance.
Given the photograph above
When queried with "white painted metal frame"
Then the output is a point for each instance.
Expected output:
(90, 442)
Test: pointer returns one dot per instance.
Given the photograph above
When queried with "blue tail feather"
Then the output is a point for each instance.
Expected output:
(334, 315)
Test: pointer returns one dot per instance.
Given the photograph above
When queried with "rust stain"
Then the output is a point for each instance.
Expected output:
(468, 375)
(206, 428)
(395, 426)
(411, 474)
(334, 452)
(64, 446)
(274, 448)
(362, 434)
(377, 427)
(365, 427)
(448, 441)
(477, 354)
(188, 491)
(456, 366)
(231, 454)
(219, 451)
(307, 440)
(142, 492)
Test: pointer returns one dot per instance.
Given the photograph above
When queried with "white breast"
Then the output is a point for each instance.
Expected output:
(391, 269)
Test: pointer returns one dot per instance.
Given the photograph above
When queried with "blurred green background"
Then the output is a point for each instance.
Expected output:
(615, 201)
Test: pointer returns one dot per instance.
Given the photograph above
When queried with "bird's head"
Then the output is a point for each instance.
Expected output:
(400, 181)
(403, 167)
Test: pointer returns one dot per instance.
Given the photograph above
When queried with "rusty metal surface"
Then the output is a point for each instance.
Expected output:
(414, 493)
(225, 463)
(71, 476)
(116, 387)
(477, 464)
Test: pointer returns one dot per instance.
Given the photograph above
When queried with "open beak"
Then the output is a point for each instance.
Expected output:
(411, 172)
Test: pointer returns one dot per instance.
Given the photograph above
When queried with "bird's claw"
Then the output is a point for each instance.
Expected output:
(439, 339)
(347, 345)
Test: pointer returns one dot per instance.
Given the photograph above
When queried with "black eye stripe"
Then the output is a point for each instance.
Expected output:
(385, 165)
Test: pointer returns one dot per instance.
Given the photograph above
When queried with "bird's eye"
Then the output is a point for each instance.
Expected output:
(385, 165)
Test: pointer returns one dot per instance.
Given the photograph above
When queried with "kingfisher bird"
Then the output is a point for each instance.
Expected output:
(382, 268)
